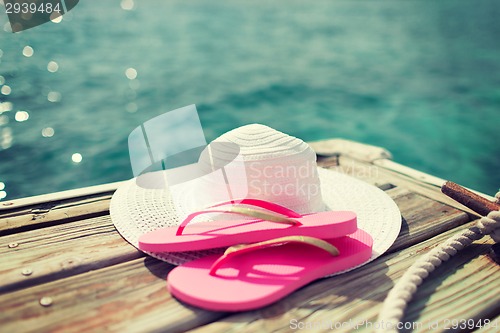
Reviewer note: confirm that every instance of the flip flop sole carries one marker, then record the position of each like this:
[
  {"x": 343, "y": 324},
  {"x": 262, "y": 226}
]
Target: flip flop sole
[
  {"x": 215, "y": 234},
  {"x": 256, "y": 279}
]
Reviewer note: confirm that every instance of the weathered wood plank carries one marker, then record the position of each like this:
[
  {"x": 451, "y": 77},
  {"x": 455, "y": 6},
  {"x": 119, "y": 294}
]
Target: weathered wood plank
[
  {"x": 379, "y": 176},
  {"x": 48, "y": 214},
  {"x": 59, "y": 251},
  {"x": 129, "y": 297},
  {"x": 422, "y": 218},
  {"x": 355, "y": 298},
  {"x": 71, "y": 195}
]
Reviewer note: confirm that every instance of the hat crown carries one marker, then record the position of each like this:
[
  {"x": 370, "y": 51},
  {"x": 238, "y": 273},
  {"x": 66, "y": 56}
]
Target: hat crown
[
  {"x": 279, "y": 168},
  {"x": 260, "y": 142}
]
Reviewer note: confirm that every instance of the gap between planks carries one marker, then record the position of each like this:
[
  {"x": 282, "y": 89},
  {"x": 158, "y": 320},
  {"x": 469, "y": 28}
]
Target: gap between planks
[
  {"x": 47, "y": 215},
  {"x": 59, "y": 251}
]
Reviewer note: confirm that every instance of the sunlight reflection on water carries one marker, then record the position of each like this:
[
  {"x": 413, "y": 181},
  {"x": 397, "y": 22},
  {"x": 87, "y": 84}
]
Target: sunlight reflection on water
[{"x": 28, "y": 51}]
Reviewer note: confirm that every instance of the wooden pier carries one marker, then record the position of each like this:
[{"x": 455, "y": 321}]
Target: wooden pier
[{"x": 64, "y": 267}]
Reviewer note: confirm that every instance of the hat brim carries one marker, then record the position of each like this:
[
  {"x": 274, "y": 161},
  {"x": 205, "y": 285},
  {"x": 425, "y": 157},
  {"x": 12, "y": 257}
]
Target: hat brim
[{"x": 135, "y": 211}]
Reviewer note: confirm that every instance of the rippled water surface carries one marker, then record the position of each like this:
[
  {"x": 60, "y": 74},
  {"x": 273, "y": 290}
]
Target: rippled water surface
[{"x": 420, "y": 78}]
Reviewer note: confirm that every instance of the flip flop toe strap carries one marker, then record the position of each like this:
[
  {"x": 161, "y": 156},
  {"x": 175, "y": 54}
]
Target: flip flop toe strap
[
  {"x": 236, "y": 250},
  {"x": 274, "y": 213}
]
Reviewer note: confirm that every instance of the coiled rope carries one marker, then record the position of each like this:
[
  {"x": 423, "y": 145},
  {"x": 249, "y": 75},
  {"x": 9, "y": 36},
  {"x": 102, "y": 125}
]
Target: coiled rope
[{"x": 398, "y": 298}]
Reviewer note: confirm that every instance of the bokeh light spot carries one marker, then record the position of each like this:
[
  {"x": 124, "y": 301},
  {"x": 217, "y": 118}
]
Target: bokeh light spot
[
  {"x": 48, "y": 132},
  {"x": 3, "y": 194},
  {"x": 54, "y": 96},
  {"x": 6, "y": 138},
  {"x": 52, "y": 66},
  {"x": 77, "y": 157},
  {"x": 21, "y": 116},
  {"x": 28, "y": 51},
  {"x": 127, "y": 4},
  {"x": 5, "y": 90},
  {"x": 131, "y": 73},
  {"x": 5, "y": 106},
  {"x": 2, "y": 186},
  {"x": 56, "y": 17}
]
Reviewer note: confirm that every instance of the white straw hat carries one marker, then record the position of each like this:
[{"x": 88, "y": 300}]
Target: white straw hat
[{"x": 277, "y": 168}]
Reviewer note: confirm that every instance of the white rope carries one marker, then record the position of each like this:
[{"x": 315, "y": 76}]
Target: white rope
[{"x": 397, "y": 300}]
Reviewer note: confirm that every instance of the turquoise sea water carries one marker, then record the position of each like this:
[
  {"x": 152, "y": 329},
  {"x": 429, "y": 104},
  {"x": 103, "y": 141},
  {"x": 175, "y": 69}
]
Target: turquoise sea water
[{"x": 420, "y": 78}]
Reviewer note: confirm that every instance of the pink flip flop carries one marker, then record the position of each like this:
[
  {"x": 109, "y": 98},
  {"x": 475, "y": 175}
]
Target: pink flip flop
[
  {"x": 256, "y": 275},
  {"x": 276, "y": 221}
]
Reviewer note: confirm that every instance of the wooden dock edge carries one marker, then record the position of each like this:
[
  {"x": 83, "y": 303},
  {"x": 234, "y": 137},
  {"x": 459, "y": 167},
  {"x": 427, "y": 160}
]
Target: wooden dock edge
[
  {"x": 86, "y": 267},
  {"x": 362, "y": 152}
]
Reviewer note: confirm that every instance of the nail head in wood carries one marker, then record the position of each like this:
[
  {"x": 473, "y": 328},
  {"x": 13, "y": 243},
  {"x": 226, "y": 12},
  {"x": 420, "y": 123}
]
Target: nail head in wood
[
  {"x": 13, "y": 245},
  {"x": 27, "y": 271},
  {"x": 46, "y": 301}
]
